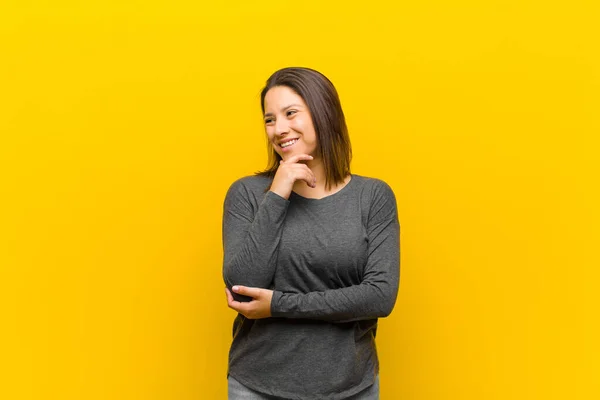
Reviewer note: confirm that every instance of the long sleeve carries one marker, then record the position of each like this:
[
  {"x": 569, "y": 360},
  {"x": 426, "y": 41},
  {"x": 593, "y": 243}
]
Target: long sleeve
[
  {"x": 251, "y": 237},
  {"x": 376, "y": 294}
]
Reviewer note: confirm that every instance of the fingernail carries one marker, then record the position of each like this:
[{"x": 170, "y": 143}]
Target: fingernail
[{"x": 235, "y": 288}]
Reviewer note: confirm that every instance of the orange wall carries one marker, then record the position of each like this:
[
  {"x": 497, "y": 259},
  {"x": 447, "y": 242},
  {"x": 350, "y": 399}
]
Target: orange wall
[{"x": 122, "y": 124}]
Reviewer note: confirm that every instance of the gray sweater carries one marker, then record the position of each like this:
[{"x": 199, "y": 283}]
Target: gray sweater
[{"x": 334, "y": 266}]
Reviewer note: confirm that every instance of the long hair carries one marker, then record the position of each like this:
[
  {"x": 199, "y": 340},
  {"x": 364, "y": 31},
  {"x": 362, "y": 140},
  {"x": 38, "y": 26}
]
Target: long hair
[{"x": 321, "y": 97}]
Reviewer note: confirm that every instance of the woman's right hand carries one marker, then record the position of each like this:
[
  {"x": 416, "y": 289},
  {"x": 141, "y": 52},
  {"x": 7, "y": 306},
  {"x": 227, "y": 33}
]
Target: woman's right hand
[{"x": 291, "y": 171}]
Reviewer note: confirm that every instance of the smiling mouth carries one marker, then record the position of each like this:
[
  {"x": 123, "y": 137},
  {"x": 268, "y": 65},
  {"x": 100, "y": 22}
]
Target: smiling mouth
[{"x": 288, "y": 144}]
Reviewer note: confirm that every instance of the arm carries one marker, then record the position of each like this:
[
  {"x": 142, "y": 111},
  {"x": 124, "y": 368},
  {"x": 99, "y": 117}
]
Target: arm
[
  {"x": 251, "y": 238},
  {"x": 376, "y": 295}
]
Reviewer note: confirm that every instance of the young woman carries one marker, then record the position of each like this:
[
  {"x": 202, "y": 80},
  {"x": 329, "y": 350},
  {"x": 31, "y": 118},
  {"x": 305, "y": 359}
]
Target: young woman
[{"x": 311, "y": 254}]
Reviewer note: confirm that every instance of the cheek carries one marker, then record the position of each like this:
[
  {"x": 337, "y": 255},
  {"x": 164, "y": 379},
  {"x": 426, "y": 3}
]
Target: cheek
[
  {"x": 301, "y": 125},
  {"x": 270, "y": 134},
  {"x": 308, "y": 132}
]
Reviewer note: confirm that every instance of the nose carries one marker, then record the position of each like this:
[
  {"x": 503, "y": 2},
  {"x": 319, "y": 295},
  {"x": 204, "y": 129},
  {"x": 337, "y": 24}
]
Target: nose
[{"x": 281, "y": 127}]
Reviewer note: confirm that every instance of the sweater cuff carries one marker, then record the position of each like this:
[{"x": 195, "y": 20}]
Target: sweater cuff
[
  {"x": 275, "y": 304},
  {"x": 274, "y": 198}
]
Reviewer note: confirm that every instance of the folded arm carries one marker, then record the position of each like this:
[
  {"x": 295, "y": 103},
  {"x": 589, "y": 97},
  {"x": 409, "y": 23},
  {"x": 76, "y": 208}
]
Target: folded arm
[
  {"x": 376, "y": 295},
  {"x": 251, "y": 238}
]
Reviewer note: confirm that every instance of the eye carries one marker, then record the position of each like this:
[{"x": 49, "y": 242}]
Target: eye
[
  {"x": 268, "y": 120},
  {"x": 290, "y": 112}
]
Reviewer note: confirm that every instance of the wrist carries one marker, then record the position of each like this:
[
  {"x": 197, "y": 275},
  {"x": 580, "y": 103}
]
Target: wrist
[
  {"x": 281, "y": 193},
  {"x": 275, "y": 312}
]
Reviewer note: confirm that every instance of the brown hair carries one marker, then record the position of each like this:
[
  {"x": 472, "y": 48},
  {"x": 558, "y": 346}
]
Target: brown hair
[{"x": 319, "y": 94}]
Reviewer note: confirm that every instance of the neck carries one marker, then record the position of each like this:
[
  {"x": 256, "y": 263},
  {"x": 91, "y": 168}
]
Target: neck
[{"x": 318, "y": 169}]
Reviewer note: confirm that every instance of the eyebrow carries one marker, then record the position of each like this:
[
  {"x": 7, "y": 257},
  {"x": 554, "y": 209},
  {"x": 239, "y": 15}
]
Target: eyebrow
[{"x": 284, "y": 108}]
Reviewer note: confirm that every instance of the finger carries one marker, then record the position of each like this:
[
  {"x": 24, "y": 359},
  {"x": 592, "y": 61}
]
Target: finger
[
  {"x": 236, "y": 305},
  {"x": 242, "y": 308},
  {"x": 299, "y": 157},
  {"x": 310, "y": 181},
  {"x": 310, "y": 172},
  {"x": 231, "y": 302},
  {"x": 229, "y": 296},
  {"x": 309, "y": 177},
  {"x": 303, "y": 172},
  {"x": 247, "y": 291}
]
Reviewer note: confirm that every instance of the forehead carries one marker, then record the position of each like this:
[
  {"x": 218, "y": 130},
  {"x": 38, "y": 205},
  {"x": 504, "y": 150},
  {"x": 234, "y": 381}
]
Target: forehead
[{"x": 281, "y": 96}]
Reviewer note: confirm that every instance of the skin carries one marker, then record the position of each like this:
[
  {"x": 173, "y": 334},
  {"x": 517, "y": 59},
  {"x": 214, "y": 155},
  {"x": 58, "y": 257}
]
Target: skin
[
  {"x": 301, "y": 170},
  {"x": 259, "y": 307},
  {"x": 287, "y": 117}
]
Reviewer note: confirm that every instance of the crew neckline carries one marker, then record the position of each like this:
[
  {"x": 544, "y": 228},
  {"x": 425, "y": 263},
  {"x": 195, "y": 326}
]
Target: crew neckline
[{"x": 327, "y": 198}]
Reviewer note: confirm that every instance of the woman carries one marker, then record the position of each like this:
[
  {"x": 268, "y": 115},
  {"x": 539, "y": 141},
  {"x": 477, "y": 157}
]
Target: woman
[{"x": 311, "y": 254}]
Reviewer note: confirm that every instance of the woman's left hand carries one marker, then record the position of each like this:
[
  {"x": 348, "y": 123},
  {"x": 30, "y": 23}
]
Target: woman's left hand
[{"x": 259, "y": 307}]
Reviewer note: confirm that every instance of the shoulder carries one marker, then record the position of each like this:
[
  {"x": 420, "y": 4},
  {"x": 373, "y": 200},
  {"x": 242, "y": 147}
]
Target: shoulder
[
  {"x": 375, "y": 188},
  {"x": 251, "y": 186},
  {"x": 378, "y": 197},
  {"x": 251, "y": 182}
]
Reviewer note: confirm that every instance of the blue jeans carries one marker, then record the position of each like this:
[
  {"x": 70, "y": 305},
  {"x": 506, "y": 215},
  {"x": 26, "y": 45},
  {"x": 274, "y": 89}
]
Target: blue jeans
[{"x": 237, "y": 391}]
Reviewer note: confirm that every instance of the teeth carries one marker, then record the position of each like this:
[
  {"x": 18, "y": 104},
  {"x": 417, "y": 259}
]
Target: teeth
[{"x": 291, "y": 142}]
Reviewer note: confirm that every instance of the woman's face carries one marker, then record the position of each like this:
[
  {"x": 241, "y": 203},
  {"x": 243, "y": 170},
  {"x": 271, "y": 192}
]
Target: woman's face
[{"x": 288, "y": 123}]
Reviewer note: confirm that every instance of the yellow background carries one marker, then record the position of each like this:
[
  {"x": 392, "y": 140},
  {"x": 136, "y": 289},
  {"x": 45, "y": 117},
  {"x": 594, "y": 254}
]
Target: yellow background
[{"x": 122, "y": 124}]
